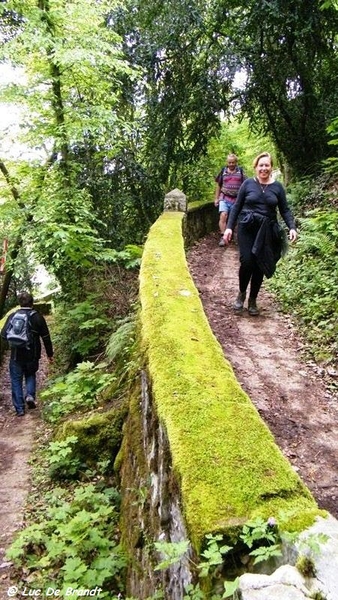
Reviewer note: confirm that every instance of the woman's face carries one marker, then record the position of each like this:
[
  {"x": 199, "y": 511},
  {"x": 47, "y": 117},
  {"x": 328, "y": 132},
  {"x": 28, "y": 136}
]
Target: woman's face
[{"x": 263, "y": 168}]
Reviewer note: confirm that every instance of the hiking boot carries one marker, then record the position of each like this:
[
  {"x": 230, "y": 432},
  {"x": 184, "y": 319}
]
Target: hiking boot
[
  {"x": 221, "y": 242},
  {"x": 30, "y": 402},
  {"x": 239, "y": 301},
  {"x": 252, "y": 307}
]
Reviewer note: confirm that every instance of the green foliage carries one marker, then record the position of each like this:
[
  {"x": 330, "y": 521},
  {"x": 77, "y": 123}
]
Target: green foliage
[
  {"x": 82, "y": 329},
  {"x": 308, "y": 548},
  {"x": 262, "y": 538},
  {"x": 77, "y": 391},
  {"x": 265, "y": 553},
  {"x": 74, "y": 123},
  {"x": 85, "y": 323},
  {"x": 61, "y": 459},
  {"x": 257, "y": 530},
  {"x": 121, "y": 347},
  {"x": 310, "y": 544},
  {"x": 74, "y": 545},
  {"x": 288, "y": 58},
  {"x": 213, "y": 555},
  {"x": 235, "y": 136},
  {"x": 305, "y": 566},
  {"x": 230, "y": 588},
  {"x": 172, "y": 553},
  {"x": 193, "y": 592},
  {"x": 305, "y": 284},
  {"x": 308, "y": 193}
]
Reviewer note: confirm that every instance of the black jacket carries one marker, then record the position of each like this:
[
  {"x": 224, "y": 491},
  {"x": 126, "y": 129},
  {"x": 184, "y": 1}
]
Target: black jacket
[
  {"x": 252, "y": 198},
  {"x": 40, "y": 331}
]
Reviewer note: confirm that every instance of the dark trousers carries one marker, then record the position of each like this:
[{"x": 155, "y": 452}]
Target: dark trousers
[
  {"x": 249, "y": 272},
  {"x": 18, "y": 372}
]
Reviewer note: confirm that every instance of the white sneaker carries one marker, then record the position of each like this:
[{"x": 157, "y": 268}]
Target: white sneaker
[{"x": 221, "y": 242}]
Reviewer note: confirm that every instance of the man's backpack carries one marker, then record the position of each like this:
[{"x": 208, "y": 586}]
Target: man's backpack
[
  {"x": 224, "y": 170},
  {"x": 19, "y": 331}
]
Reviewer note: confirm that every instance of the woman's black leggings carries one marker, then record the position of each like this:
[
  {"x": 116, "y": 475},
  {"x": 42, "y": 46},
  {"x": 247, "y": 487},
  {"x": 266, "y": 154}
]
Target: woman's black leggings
[{"x": 249, "y": 272}]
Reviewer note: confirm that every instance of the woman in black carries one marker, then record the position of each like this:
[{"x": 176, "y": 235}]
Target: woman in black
[{"x": 259, "y": 235}]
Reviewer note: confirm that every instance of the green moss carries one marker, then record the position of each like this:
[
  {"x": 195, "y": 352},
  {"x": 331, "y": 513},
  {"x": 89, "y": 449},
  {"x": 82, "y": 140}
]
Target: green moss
[
  {"x": 224, "y": 456},
  {"x": 306, "y": 566},
  {"x": 99, "y": 436},
  {"x": 135, "y": 482},
  {"x": 197, "y": 204}
]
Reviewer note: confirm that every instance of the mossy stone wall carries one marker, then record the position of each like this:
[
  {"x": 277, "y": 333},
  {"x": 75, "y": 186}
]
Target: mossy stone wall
[
  {"x": 223, "y": 454},
  {"x": 223, "y": 458}
]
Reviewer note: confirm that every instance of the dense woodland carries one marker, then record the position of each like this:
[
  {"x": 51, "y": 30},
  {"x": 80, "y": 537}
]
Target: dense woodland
[{"x": 121, "y": 102}]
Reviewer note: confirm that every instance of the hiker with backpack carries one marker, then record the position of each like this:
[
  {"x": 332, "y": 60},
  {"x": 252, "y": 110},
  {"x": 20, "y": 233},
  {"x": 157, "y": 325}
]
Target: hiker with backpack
[
  {"x": 228, "y": 182},
  {"x": 23, "y": 332}
]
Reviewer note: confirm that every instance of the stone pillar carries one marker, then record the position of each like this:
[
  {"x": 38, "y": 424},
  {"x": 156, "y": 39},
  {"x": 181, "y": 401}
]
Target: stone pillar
[{"x": 175, "y": 200}]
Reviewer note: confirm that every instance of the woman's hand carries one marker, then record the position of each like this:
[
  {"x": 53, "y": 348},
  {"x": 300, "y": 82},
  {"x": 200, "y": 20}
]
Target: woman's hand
[
  {"x": 292, "y": 235},
  {"x": 227, "y": 236}
]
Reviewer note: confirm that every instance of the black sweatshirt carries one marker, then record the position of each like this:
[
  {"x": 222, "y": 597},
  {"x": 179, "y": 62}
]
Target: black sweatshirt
[{"x": 263, "y": 200}]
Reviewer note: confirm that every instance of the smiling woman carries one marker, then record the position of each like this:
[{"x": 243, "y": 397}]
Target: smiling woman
[{"x": 259, "y": 234}]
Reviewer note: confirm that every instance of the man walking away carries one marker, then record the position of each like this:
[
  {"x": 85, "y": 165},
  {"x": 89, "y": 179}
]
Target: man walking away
[{"x": 23, "y": 332}]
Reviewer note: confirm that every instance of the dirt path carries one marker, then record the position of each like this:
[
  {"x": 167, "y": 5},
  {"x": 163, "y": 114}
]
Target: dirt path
[
  {"x": 291, "y": 395},
  {"x": 17, "y": 436}
]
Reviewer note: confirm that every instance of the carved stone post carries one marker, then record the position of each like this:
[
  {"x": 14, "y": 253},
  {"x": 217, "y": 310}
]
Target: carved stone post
[{"x": 175, "y": 200}]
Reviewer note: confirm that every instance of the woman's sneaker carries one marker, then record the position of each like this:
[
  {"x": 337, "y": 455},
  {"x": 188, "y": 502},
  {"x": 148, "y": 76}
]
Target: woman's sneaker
[
  {"x": 239, "y": 302},
  {"x": 30, "y": 401},
  {"x": 252, "y": 308}
]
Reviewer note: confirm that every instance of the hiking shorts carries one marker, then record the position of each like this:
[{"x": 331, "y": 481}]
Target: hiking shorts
[{"x": 225, "y": 206}]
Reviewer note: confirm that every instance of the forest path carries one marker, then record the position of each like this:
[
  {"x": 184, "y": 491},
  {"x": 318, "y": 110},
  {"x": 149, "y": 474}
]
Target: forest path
[
  {"x": 292, "y": 395},
  {"x": 17, "y": 441}
]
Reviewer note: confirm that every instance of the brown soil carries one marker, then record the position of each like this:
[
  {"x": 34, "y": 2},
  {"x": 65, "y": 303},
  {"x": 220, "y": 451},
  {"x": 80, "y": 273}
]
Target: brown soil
[
  {"x": 17, "y": 439},
  {"x": 294, "y": 396}
]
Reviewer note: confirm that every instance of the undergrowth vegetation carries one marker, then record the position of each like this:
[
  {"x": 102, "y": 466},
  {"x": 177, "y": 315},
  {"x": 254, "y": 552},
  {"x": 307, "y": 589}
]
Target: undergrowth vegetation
[
  {"x": 307, "y": 282},
  {"x": 75, "y": 546},
  {"x": 71, "y": 538}
]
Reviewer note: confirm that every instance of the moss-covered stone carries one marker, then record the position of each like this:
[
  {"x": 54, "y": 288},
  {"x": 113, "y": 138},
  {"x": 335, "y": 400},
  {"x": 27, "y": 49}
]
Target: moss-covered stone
[
  {"x": 99, "y": 435},
  {"x": 224, "y": 456}
]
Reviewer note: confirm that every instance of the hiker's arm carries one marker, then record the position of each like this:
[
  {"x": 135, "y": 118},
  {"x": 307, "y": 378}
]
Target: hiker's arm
[
  {"x": 43, "y": 332},
  {"x": 217, "y": 193}
]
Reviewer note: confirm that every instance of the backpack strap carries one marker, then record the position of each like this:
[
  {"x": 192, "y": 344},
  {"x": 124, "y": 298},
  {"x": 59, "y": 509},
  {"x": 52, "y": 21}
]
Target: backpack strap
[{"x": 222, "y": 175}]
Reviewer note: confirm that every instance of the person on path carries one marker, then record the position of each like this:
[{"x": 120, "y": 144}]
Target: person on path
[
  {"x": 260, "y": 237},
  {"x": 228, "y": 182},
  {"x": 24, "y": 361}
]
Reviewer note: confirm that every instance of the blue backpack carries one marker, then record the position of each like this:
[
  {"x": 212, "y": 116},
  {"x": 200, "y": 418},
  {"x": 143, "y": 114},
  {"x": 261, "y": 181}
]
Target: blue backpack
[{"x": 19, "y": 331}]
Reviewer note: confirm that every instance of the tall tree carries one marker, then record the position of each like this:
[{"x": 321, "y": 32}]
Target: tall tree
[
  {"x": 181, "y": 93},
  {"x": 287, "y": 49},
  {"x": 191, "y": 51},
  {"x": 71, "y": 96}
]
